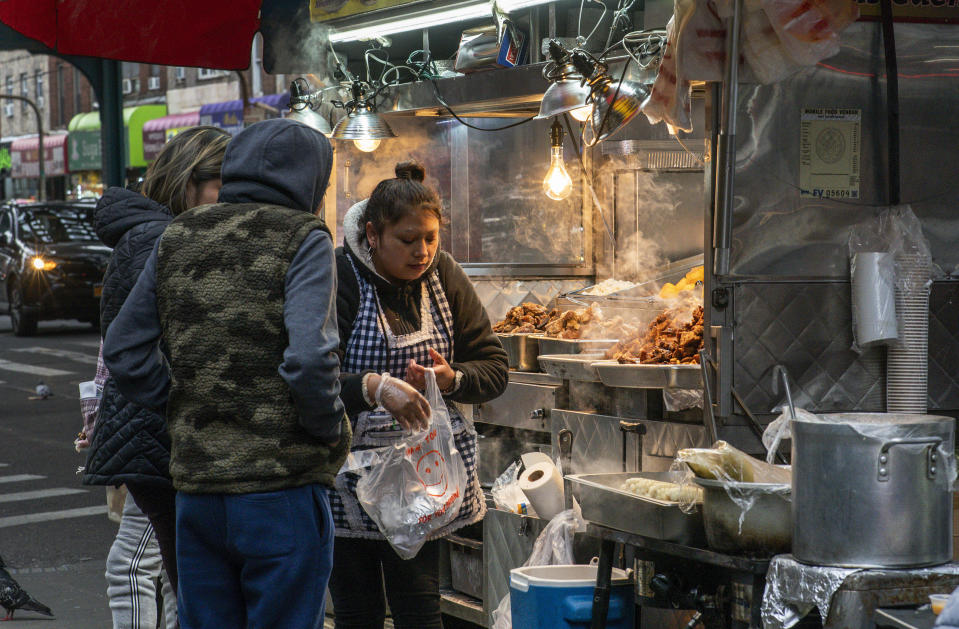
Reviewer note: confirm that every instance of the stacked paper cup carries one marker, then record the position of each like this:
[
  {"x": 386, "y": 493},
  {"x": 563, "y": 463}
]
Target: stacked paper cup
[{"x": 907, "y": 365}]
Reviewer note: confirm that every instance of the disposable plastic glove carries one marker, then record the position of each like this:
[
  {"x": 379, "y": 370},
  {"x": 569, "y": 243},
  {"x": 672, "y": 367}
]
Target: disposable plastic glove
[{"x": 404, "y": 403}]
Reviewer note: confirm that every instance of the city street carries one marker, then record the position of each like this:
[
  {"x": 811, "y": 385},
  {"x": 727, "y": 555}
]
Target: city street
[{"x": 54, "y": 532}]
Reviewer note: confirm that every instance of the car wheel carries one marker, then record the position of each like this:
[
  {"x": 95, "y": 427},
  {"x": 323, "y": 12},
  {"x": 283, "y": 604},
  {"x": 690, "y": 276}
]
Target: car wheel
[{"x": 24, "y": 323}]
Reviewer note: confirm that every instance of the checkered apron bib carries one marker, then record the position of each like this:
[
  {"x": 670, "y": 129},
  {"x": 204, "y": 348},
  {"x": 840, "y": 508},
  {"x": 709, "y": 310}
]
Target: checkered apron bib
[{"x": 373, "y": 346}]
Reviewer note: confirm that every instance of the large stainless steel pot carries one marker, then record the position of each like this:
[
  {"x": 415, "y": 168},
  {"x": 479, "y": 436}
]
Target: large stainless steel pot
[{"x": 872, "y": 490}]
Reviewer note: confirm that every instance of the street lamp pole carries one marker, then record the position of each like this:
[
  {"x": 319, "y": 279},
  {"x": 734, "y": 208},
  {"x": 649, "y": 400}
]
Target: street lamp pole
[{"x": 36, "y": 111}]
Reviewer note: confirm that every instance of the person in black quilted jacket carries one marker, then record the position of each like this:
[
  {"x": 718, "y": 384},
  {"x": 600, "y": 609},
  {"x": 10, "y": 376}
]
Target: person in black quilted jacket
[{"x": 129, "y": 444}]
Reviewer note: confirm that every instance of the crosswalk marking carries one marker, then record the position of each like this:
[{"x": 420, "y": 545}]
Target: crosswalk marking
[
  {"x": 39, "y": 371},
  {"x": 94, "y": 344},
  {"x": 48, "y": 516},
  {"x": 79, "y": 357},
  {"x": 40, "y": 493},
  {"x": 16, "y": 478}
]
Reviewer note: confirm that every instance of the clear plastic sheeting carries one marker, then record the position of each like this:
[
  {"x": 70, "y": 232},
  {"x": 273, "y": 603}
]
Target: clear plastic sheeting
[
  {"x": 779, "y": 430},
  {"x": 675, "y": 400},
  {"x": 553, "y": 547},
  {"x": 911, "y": 432},
  {"x": 891, "y": 273},
  {"x": 507, "y": 494},
  {"x": 793, "y": 589},
  {"x": 744, "y": 478}
]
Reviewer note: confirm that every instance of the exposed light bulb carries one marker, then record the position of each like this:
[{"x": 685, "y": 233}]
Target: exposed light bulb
[
  {"x": 582, "y": 113},
  {"x": 367, "y": 146},
  {"x": 557, "y": 184}
]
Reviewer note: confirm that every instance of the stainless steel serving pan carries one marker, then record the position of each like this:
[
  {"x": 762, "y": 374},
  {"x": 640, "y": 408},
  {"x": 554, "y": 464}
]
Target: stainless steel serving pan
[
  {"x": 578, "y": 367},
  {"x": 604, "y": 502},
  {"x": 550, "y": 345},
  {"x": 521, "y": 351},
  {"x": 614, "y": 374},
  {"x": 766, "y": 528}
]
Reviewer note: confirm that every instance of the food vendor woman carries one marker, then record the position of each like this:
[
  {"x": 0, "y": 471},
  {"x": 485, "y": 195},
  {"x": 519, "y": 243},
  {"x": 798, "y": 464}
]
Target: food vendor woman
[{"x": 403, "y": 305}]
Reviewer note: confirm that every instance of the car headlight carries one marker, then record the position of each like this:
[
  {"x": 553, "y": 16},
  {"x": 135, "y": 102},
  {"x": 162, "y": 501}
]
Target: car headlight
[{"x": 40, "y": 264}]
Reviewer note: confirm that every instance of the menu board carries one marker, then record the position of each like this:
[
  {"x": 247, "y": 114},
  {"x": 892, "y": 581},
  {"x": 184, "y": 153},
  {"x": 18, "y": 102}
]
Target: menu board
[{"x": 323, "y": 10}]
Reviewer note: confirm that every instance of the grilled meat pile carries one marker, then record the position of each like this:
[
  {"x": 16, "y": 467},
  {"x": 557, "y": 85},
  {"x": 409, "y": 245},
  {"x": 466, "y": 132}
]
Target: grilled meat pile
[
  {"x": 526, "y": 318},
  {"x": 665, "y": 341}
]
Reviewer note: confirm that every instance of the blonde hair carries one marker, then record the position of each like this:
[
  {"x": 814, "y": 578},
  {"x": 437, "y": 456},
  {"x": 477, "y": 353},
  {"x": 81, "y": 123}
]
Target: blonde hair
[{"x": 194, "y": 155}]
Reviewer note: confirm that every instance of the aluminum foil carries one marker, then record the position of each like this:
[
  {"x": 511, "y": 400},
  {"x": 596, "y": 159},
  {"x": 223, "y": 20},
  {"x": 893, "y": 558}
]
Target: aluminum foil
[{"x": 793, "y": 589}]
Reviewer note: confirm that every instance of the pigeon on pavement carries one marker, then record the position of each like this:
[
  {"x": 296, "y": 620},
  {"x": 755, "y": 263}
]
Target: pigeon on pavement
[
  {"x": 43, "y": 391},
  {"x": 14, "y": 597}
]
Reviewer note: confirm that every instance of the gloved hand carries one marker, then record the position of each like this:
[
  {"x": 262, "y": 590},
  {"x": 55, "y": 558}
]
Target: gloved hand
[{"x": 404, "y": 403}]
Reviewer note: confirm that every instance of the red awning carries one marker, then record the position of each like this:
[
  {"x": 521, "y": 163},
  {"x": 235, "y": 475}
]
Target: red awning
[
  {"x": 208, "y": 34},
  {"x": 25, "y": 156},
  {"x": 31, "y": 143}
]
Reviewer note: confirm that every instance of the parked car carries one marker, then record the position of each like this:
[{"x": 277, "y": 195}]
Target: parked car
[{"x": 51, "y": 263}]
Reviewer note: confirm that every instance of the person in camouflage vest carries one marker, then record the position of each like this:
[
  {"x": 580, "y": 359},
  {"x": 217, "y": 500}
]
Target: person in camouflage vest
[{"x": 239, "y": 295}]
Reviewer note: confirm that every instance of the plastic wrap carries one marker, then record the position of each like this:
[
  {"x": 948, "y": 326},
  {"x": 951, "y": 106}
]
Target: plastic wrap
[
  {"x": 553, "y": 547},
  {"x": 744, "y": 478},
  {"x": 415, "y": 486},
  {"x": 793, "y": 589},
  {"x": 890, "y": 427},
  {"x": 779, "y": 430},
  {"x": 506, "y": 492},
  {"x": 682, "y": 399},
  {"x": 895, "y": 231}
]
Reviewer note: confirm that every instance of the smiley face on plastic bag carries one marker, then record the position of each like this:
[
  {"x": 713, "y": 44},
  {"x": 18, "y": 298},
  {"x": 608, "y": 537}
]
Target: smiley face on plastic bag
[{"x": 431, "y": 468}]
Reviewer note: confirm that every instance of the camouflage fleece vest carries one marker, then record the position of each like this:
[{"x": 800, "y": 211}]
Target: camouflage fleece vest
[{"x": 221, "y": 273}]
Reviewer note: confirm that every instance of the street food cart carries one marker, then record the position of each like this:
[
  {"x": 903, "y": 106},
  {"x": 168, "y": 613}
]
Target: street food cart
[{"x": 763, "y": 193}]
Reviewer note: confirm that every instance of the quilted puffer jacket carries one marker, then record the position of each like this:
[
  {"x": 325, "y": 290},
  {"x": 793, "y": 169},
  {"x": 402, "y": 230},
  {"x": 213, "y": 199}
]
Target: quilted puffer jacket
[{"x": 130, "y": 443}]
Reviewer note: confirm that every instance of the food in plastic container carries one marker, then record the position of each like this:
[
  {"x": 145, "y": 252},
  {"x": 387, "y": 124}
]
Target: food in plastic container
[{"x": 938, "y": 602}]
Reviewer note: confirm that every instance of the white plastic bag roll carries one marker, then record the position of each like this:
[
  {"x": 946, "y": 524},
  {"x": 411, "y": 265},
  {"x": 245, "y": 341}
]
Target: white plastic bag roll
[
  {"x": 874, "y": 300},
  {"x": 543, "y": 485}
]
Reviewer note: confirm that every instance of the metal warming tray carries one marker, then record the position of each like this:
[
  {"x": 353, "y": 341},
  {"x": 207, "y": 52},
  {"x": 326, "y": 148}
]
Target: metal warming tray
[
  {"x": 577, "y": 367},
  {"x": 604, "y": 503},
  {"x": 521, "y": 351},
  {"x": 614, "y": 374},
  {"x": 550, "y": 345}
]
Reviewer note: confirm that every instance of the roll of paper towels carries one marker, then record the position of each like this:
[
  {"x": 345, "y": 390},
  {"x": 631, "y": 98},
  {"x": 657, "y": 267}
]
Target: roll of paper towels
[{"x": 543, "y": 485}]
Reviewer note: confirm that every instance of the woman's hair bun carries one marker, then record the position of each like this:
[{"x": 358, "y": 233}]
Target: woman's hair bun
[{"x": 410, "y": 170}]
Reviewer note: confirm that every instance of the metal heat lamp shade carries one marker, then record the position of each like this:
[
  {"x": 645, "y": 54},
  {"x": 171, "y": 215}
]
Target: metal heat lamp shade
[
  {"x": 362, "y": 124},
  {"x": 312, "y": 119},
  {"x": 562, "y": 96},
  {"x": 615, "y": 104}
]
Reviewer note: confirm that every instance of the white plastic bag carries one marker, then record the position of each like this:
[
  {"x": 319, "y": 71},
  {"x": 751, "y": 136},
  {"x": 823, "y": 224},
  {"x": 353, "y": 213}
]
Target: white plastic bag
[{"x": 415, "y": 486}]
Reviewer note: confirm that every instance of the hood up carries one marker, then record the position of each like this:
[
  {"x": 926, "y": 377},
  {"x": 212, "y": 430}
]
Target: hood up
[
  {"x": 355, "y": 242},
  {"x": 119, "y": 210},
  {"x": 280, "y": 162}
]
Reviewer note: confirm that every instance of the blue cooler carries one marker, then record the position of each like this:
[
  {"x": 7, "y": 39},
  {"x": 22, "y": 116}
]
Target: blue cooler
[{"x": 555, "y": 597}]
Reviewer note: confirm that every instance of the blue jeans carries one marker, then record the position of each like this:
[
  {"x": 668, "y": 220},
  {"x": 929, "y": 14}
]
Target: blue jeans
[{"x": 257, "y": 561}]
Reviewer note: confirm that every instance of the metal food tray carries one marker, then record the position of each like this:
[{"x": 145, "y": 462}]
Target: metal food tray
[
  {"x": 614, "y": 374},
  {"x": 551, "y": 345},
  {"x": 521, "y": 350},
  {"x": 604, "y": 503},
  {"x": 577, "y": 367}
]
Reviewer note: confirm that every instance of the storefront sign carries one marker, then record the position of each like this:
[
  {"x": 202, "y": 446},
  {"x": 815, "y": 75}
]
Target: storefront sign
[
  {"x": 153, "y": 142},
  {"x": 85, "y": 151},
  {"x": 4, "y": 158},
  {"x": 25, "y": 157},
  {"x": 913, "y": 10},
  {"x": 322, "y": 10},
  {"x": 829, "y": 147}
]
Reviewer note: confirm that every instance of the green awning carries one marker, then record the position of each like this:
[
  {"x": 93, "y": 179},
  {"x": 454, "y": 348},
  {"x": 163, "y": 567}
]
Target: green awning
[{"x": 84, "y": 130}]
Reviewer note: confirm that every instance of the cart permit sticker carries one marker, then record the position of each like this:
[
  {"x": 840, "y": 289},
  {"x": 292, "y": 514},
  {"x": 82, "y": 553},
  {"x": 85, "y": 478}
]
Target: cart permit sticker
[{"x": 829, "y": 148}]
